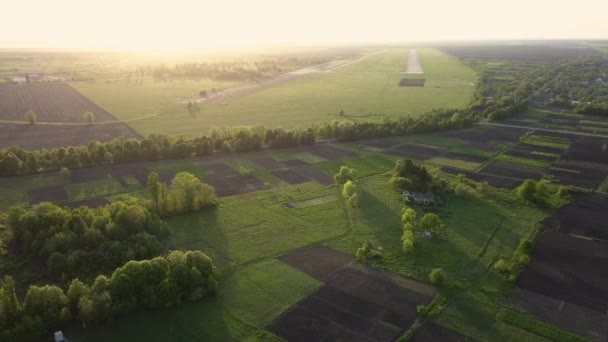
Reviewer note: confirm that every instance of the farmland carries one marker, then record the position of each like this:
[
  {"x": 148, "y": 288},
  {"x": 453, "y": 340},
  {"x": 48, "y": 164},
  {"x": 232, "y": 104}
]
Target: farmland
[
  {"x": 365, "y": 90},
  {"x": 59, "y": 110},
  {"x": 284, "y": 205},
  {"x": 296, "y": 257}
]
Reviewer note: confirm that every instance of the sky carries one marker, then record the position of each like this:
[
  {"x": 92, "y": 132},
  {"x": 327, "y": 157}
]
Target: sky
[{"x": 201, "y": 24}]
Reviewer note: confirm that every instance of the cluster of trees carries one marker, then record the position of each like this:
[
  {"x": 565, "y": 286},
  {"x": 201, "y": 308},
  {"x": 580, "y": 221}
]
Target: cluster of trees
[
  {"x": 86, "y": 240},
  {"x": 162, "y": 282},
  {"x": 233, "y": 70},
  {"x": 410, "y": 176},
  {"x": 533, "y": 191},
  {"x": 592, "y": 108},
  {"x": 521, "y": 257},
  {"x": 185, "y": 193},
  {"x": 14, "y": 160},
  {"x": 437, "y": 276},
  {"x": 429, "y": 222},
  {"x": 368, "y": 252},
  {"x": 436, "y": 120},
  {"x": 505, "y": 108}
]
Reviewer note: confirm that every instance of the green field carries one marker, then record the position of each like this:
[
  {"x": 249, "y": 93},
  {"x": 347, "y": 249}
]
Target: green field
[
  {"x": 365, "y": 90},
  {"x": 245, "y": 234}
]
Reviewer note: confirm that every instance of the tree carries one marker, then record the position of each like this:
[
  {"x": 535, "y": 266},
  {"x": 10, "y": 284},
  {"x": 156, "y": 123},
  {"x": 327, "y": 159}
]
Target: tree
[
  {"x": 154, "y": 189},
  {"x": 76, "y": 291},
  {"x": 65, "y": 172},
  {"x": 86, "y": 310},
  {"x": 31, "y": 117},
  {"x": 430, "y": 222},
  {"x": 345, "y": 174},
  {"x": 408, "y": 218},
  {"x": 89, "y": 116},
  {"x": 437, "y": 276},
  {"x": 541, "y": 192},
  {"x": 527, "y": 190},
  {"x": 10, "y": 308},
  {"x": 10, "y": 165}
]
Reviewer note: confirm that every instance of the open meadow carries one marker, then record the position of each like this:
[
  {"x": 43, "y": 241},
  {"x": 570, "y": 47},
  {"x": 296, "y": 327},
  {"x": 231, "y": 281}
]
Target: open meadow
[{"x": 365, "y": 90}]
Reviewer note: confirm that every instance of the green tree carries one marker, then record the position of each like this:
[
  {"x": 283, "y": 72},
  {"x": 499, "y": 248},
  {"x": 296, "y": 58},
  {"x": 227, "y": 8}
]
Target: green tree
[
  {"x": 31, "y": 117},
  {"x": 10, "y": 164},
  {"x": 345, "y": 174},
  {"x": 430, "y": 222},
  {"x": 437, "y": 276},
  {"x": 10, "y": 308},
  {"x": 527, "y": 190},
  {"x": 154, "y": 189},
  {"x": 65, "y": 172},
  {"x": 76, "y": 291}
]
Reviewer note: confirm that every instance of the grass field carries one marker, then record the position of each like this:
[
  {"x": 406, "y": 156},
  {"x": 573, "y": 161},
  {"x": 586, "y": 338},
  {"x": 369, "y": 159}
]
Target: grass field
[
  {"x": 245, "y": 234},
  {"x": 365, "y": 90}
]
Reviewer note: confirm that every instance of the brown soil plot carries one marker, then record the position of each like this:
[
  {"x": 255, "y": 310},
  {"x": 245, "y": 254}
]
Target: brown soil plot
[
  {"x": 47, "y": 136},
  {"x": 268, "y": 163},
  {"x": 315, "y": 174},
  {"x": 568, "y": 268},
  {"x": 291, "y": 177},
  {"x": 50, "y": 194},
  {"x": 330, "y": 153},
  {"x": 592, "y": 208},
  {"x": 430, "y": 331}
]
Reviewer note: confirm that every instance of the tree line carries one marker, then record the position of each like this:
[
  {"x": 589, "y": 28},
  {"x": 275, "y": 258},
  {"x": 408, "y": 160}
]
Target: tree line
[
  {"x": 157, "y": 283},
  {"x": 15, "y": 160}
]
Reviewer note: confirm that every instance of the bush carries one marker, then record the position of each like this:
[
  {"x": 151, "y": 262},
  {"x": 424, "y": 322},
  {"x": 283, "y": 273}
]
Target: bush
[{"x": 437, "y": 276}]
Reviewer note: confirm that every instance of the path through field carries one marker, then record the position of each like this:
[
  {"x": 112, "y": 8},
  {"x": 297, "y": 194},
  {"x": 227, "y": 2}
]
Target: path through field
[{"x": 413, "y": 63}]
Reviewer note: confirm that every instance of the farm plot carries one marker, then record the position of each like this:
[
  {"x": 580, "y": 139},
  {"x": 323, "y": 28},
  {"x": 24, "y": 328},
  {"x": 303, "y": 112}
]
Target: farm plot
[
  {"x": 356, "y": 303},
  {"x": 505, "y": 169},
  {"x": 47, "y": 136},
  {"x": 491, "y": 180},
  {"x": 534, "y": 153},
  {"x": 381, "y": 143},
  {"x": 236, "y": 185},
  {"x": 293, "y": 162},
  {"x": 291, "y": 177},
  {"x": 218, "y": 170},
  {"x": 575, "y": 318},
  {"x": 568, "y": 219},
  {"x": 568, "y": 268},
  {"x": 315, "y": 174},
  {"x": 52, "y": 102},
  {"x": 430, "y": 331},
  {"x": 330, "y": 152},
  {"x": 268, "y": 163},
  {"x": 48, "y": 194},
  {"x": 418, "y": 152},
  {"x": 589, "y": 150},
  {"x": 577, "y": 175}
]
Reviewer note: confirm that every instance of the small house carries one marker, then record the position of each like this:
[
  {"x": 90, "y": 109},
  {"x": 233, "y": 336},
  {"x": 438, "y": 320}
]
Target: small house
[{"x": 425, "y": 198}]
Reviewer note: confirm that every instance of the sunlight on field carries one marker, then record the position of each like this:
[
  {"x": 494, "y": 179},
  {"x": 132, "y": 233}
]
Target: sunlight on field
[{"x": 365, "y": 90}]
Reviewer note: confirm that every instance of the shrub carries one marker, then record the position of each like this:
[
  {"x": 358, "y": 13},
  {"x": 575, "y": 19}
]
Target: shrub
[{"x": 437, "y": 276}]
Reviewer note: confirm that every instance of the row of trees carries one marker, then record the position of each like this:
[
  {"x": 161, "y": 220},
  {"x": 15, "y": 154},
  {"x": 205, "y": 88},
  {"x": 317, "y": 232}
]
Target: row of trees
[
  {"x": 162, "y": 282},
  {"x": 429, "y": 222},
  {"x": 14, "y": 160},
  {"x": 32, "y": 117}
]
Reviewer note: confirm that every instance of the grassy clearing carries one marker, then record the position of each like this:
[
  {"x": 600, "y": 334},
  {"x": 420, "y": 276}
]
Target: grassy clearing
[
  {"x": 205, "y": 320},
  {"x": 524, "y": 161},
  {"x": 130, "y": 100},
  {"x": 530, "y": 324},
  {"x": 462, "y": 164},
  {"x": 313, "y": 201},
  {"x": 366, "y": 90},
  {"x": 255, "y": 225},
  {"x": 261, "y": 292},
  {"x": 94, "y": 188}
]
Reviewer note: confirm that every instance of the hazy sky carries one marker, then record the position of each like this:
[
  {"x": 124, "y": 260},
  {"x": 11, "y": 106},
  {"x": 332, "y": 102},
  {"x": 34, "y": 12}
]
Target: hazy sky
[{"x": 195, "y": 24}]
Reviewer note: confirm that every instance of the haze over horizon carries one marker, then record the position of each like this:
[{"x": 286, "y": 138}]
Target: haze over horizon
[{"x": 193, "y": 25}]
